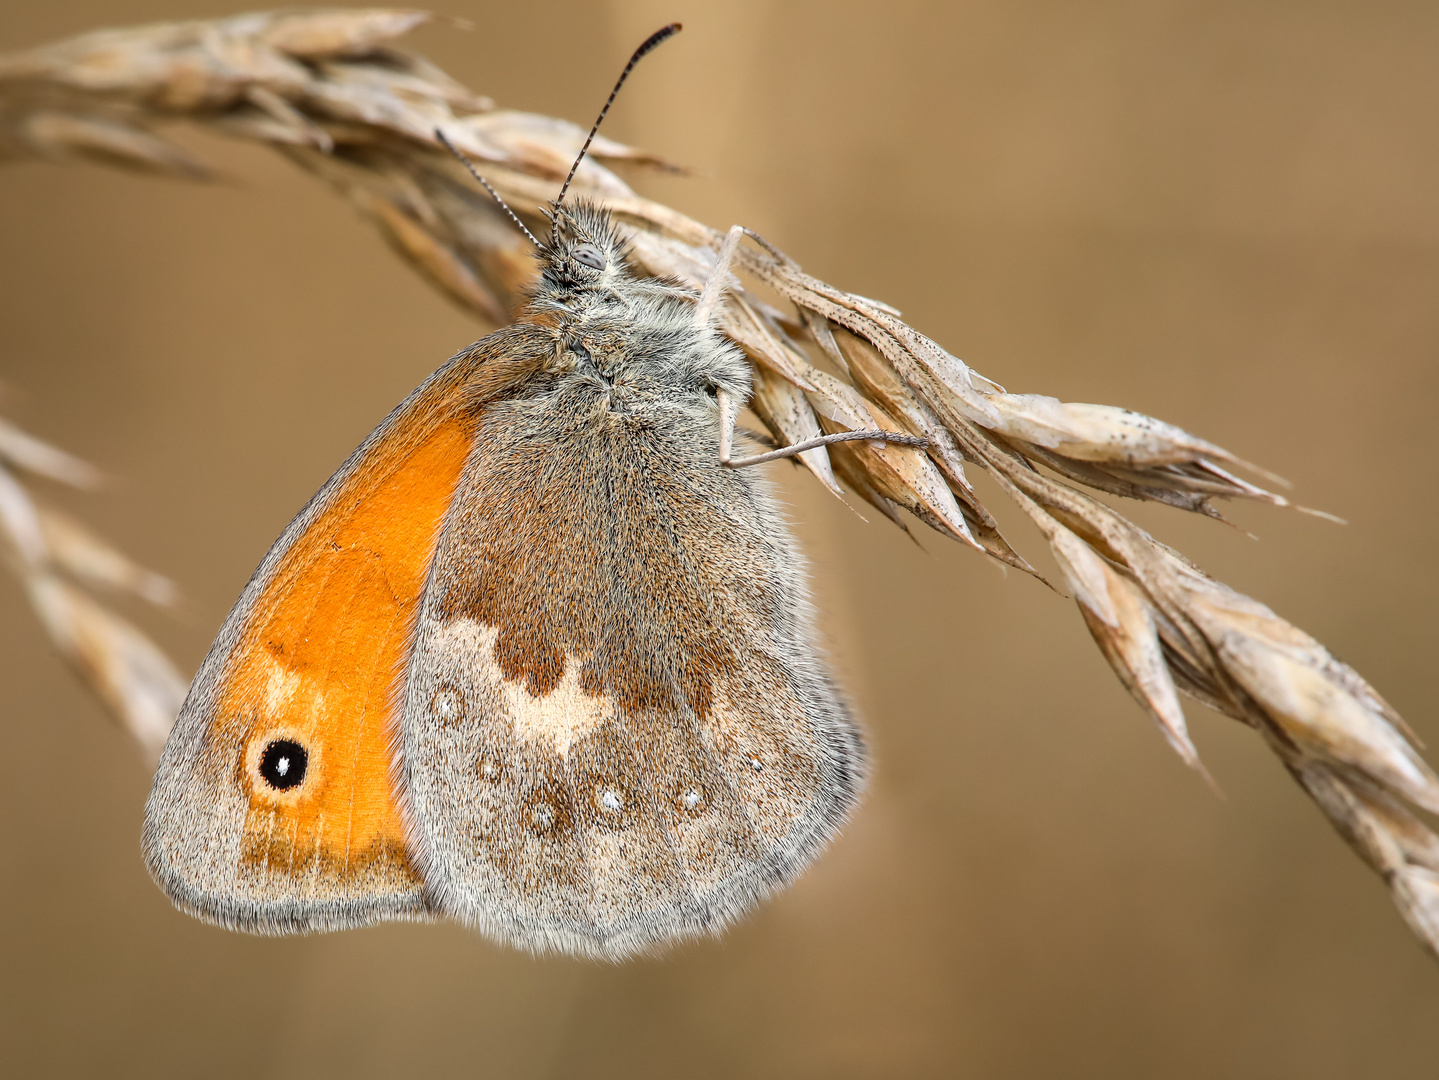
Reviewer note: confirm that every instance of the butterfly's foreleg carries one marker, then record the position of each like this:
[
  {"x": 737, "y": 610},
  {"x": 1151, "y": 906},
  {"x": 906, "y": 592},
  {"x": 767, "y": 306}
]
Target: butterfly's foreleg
[{"x": 715, "y": 287}]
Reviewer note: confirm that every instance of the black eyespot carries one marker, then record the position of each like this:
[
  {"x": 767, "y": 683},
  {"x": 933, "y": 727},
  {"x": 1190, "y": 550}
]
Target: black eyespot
[
  {"x": 283, "y": 764},
  {"x": 589, "y": 255}
]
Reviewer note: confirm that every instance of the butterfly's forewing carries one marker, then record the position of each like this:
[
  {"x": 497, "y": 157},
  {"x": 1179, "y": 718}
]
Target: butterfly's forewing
[
  {"x": 274, "y": 808},
  {"x": 616, "y": 733}
]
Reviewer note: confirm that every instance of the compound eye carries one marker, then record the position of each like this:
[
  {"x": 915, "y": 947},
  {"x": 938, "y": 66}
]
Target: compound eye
[{"x": 589, "y": 255}]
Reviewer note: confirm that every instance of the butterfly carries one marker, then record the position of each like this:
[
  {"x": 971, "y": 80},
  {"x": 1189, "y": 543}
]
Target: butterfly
[{"x": 538, "y": 657}]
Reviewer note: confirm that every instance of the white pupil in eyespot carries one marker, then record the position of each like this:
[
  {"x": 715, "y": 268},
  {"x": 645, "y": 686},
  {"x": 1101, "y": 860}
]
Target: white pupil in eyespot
[{"x": 283, "y": 764}]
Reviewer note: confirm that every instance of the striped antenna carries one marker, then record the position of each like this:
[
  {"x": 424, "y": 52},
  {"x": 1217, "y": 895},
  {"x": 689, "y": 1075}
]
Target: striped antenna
[
  {"x": 465, "y": 161},
  {"x": 658, "y": 37}
]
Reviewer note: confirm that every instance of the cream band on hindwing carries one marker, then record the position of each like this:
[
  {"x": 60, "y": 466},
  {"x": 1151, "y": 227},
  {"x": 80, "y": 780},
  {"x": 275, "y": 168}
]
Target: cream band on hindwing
[{"x": 555, "y": 718}]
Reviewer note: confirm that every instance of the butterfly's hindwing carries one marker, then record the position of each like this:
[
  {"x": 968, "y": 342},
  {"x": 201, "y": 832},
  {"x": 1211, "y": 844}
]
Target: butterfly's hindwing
[{"x": 637, "y": 763}]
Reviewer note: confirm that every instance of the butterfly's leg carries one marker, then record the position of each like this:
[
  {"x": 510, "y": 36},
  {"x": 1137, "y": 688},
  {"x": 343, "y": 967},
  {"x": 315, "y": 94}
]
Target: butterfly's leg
[
  {"x": 729, "y": 413},
  {"x": 729, "y": 405},
  {"x": 715, "y": 286}
]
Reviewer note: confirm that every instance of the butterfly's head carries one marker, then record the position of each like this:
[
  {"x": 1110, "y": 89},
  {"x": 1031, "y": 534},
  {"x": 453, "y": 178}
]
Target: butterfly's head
[
  {"x": 585, "y": 252},
  {"x": 585, "y": 278},
  {"x": 620, "y": 334}
]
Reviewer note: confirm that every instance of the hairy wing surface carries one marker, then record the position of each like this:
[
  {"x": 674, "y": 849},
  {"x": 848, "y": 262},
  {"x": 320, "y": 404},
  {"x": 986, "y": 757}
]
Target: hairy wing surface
[{"x": 616, "y": 730}]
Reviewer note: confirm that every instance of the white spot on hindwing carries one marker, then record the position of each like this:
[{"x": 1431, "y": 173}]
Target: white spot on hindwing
[
  {"x": 611, "y": 800},
  {"x": 447, "y": 704}
]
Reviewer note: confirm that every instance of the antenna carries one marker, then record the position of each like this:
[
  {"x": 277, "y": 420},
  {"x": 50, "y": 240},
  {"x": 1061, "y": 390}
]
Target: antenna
[
  {"x": 658, "y": 37},
  {"x": 486, "y": 185}
]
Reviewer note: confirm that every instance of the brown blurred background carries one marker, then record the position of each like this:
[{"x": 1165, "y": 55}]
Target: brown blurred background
[{"x": 1223, "y": 214}]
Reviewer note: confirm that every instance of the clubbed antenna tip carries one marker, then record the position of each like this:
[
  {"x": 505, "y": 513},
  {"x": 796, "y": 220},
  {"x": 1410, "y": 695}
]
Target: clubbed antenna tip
[{"x": 660, "y": 36}]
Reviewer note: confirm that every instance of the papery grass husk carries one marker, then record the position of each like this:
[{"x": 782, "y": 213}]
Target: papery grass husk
[
  {"x": 54, "y": 555},
  {"x": 330, "y": 91}
]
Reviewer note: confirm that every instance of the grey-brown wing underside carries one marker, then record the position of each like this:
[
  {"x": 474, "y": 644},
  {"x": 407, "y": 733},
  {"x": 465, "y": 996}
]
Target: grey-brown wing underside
[{"x": 617, "y": 731}]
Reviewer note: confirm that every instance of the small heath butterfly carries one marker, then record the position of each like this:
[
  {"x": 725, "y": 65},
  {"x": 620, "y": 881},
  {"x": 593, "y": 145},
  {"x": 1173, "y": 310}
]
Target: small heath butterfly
[{"x": 538, "y": 657}]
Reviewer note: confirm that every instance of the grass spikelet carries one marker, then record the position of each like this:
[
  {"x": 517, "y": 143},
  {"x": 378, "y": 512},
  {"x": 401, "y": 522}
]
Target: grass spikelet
[
  {"x": 333, "y": 93},
  {"x": 131, "y": 674}
]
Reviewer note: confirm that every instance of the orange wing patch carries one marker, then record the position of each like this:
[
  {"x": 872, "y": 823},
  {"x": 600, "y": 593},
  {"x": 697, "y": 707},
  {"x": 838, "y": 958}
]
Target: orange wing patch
[
  {"x": 274, "y": 808},
  {"x": 319, "y": 666}
]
